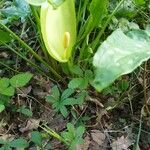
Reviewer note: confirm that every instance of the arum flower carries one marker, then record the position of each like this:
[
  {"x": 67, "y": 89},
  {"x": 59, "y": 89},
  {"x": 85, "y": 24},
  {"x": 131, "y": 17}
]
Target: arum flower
[{"x": 58, "y": 28}]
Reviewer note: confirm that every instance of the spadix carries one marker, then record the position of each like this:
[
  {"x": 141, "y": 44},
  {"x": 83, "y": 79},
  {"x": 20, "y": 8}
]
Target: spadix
[{"x": 58, "y": 28}]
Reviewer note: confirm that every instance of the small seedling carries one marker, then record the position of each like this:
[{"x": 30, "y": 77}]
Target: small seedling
[
  {"x": 25, "y": 111},
  {"x": 59, "y": 102},
  {"x": 79, "y": 120},
  {"x": 83, "y": 80},
  {"x": 17, "y": 143},
  {"x": 73, "y": 136},
  {"x": 38, "y": 139}
]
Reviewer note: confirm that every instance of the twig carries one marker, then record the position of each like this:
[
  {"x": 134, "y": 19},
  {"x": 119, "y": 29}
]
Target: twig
[{"x": 145, "y": 84}]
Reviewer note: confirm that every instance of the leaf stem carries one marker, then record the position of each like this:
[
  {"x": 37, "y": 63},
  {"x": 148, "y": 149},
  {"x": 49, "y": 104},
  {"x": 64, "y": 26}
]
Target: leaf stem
[
  {"x": 20, "y": 55},
  {"x": 30, "y": 62},
  {"x": 96, "y": 41},
  {"x": 53, "y": 133},
  {"x": 37, "y": 19},
  {"x": 145, "y": 84},
  {"x": 9, "y": 67},
  {"x": 30, "y": 49},
  {"x": 139, "y": 133}
]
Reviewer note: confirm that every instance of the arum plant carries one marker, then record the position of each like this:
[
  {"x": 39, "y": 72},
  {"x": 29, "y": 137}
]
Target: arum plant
[
  {"x": 58, "y": 27},
  {"x": 11, "y": 35}
]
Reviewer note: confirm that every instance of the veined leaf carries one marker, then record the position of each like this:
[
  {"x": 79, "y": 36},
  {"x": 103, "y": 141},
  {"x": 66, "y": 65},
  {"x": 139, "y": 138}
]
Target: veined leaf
[
  {"x": 21, "y": 79},
  {"x": 18, "y": 9},
  {"x": 64, "y": 111},
  {"x": 147, "y": 30},
  {"x": 98, "y": 10},
  {"x": 5, "y": 87},
  {"x": 4, "y": 37},
  {"x": 67, "y": 93},
  {"x": 55, "y": 93},
  {"x": 25, "y": 111},
  {"x": 70, "y": 101},
  {"x": 2, "y": 107},
  {"x": 4, "y": 99},
  {"x": 119, "y": 55},
  {"x": 75, "y": 83},
  {"x": 4, "y": 83},
  {"x": 9, "y": 91},
  {"x": 19, "y": 143},
  {"x": 76, "y": 70}
]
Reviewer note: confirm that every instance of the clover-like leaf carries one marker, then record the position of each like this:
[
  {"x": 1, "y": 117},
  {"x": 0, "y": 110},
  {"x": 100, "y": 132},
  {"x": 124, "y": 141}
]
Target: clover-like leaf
[{"x": 21, "y": 79}]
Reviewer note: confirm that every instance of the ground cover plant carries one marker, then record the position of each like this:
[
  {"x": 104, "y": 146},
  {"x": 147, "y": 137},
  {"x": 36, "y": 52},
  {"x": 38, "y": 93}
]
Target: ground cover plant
[{"x": 74, "y": 74}]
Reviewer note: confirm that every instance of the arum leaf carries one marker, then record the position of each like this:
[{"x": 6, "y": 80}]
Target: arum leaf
[
  {"x": 98, "y": 10},
  {"x": 147, "y": 30},
  {"x": 119, "y": 55},
  {"x": 58, "y": 28},
  {"x": 18, "y": 9}
]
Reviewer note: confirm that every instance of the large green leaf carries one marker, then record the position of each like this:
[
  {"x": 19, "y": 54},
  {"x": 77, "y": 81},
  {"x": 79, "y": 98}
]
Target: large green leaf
[
  {"x": 4, "y": 37},
  {"x": 5, "y": 88},
  {"x": 98, "y": 10},
  {"x": 17, "y": 9},
  {"x": 4, "y": 83},
  {"x": 119, "y": 55},
  {"x": 9, "y": 91},
  {"x": 21, "y": 79}
]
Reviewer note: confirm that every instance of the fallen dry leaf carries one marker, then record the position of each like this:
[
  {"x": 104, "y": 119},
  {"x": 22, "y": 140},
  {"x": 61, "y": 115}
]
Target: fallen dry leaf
[
  {"x": 2, "y": 127},
  {"x": 86, "y": 144},
  {"x": 44, "y": 83},
  {"x": 31, "y": 124},
  {"x": 96, "y": 101},
  {"x": 7, "y": 137},
  {"x": 23, "y": 92},
  {"x": 4, "y": 55},
  {"x": 121, "y": 143},
  {"x": 39, "y": 93},
  {"x": 98, "y": 136}
]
